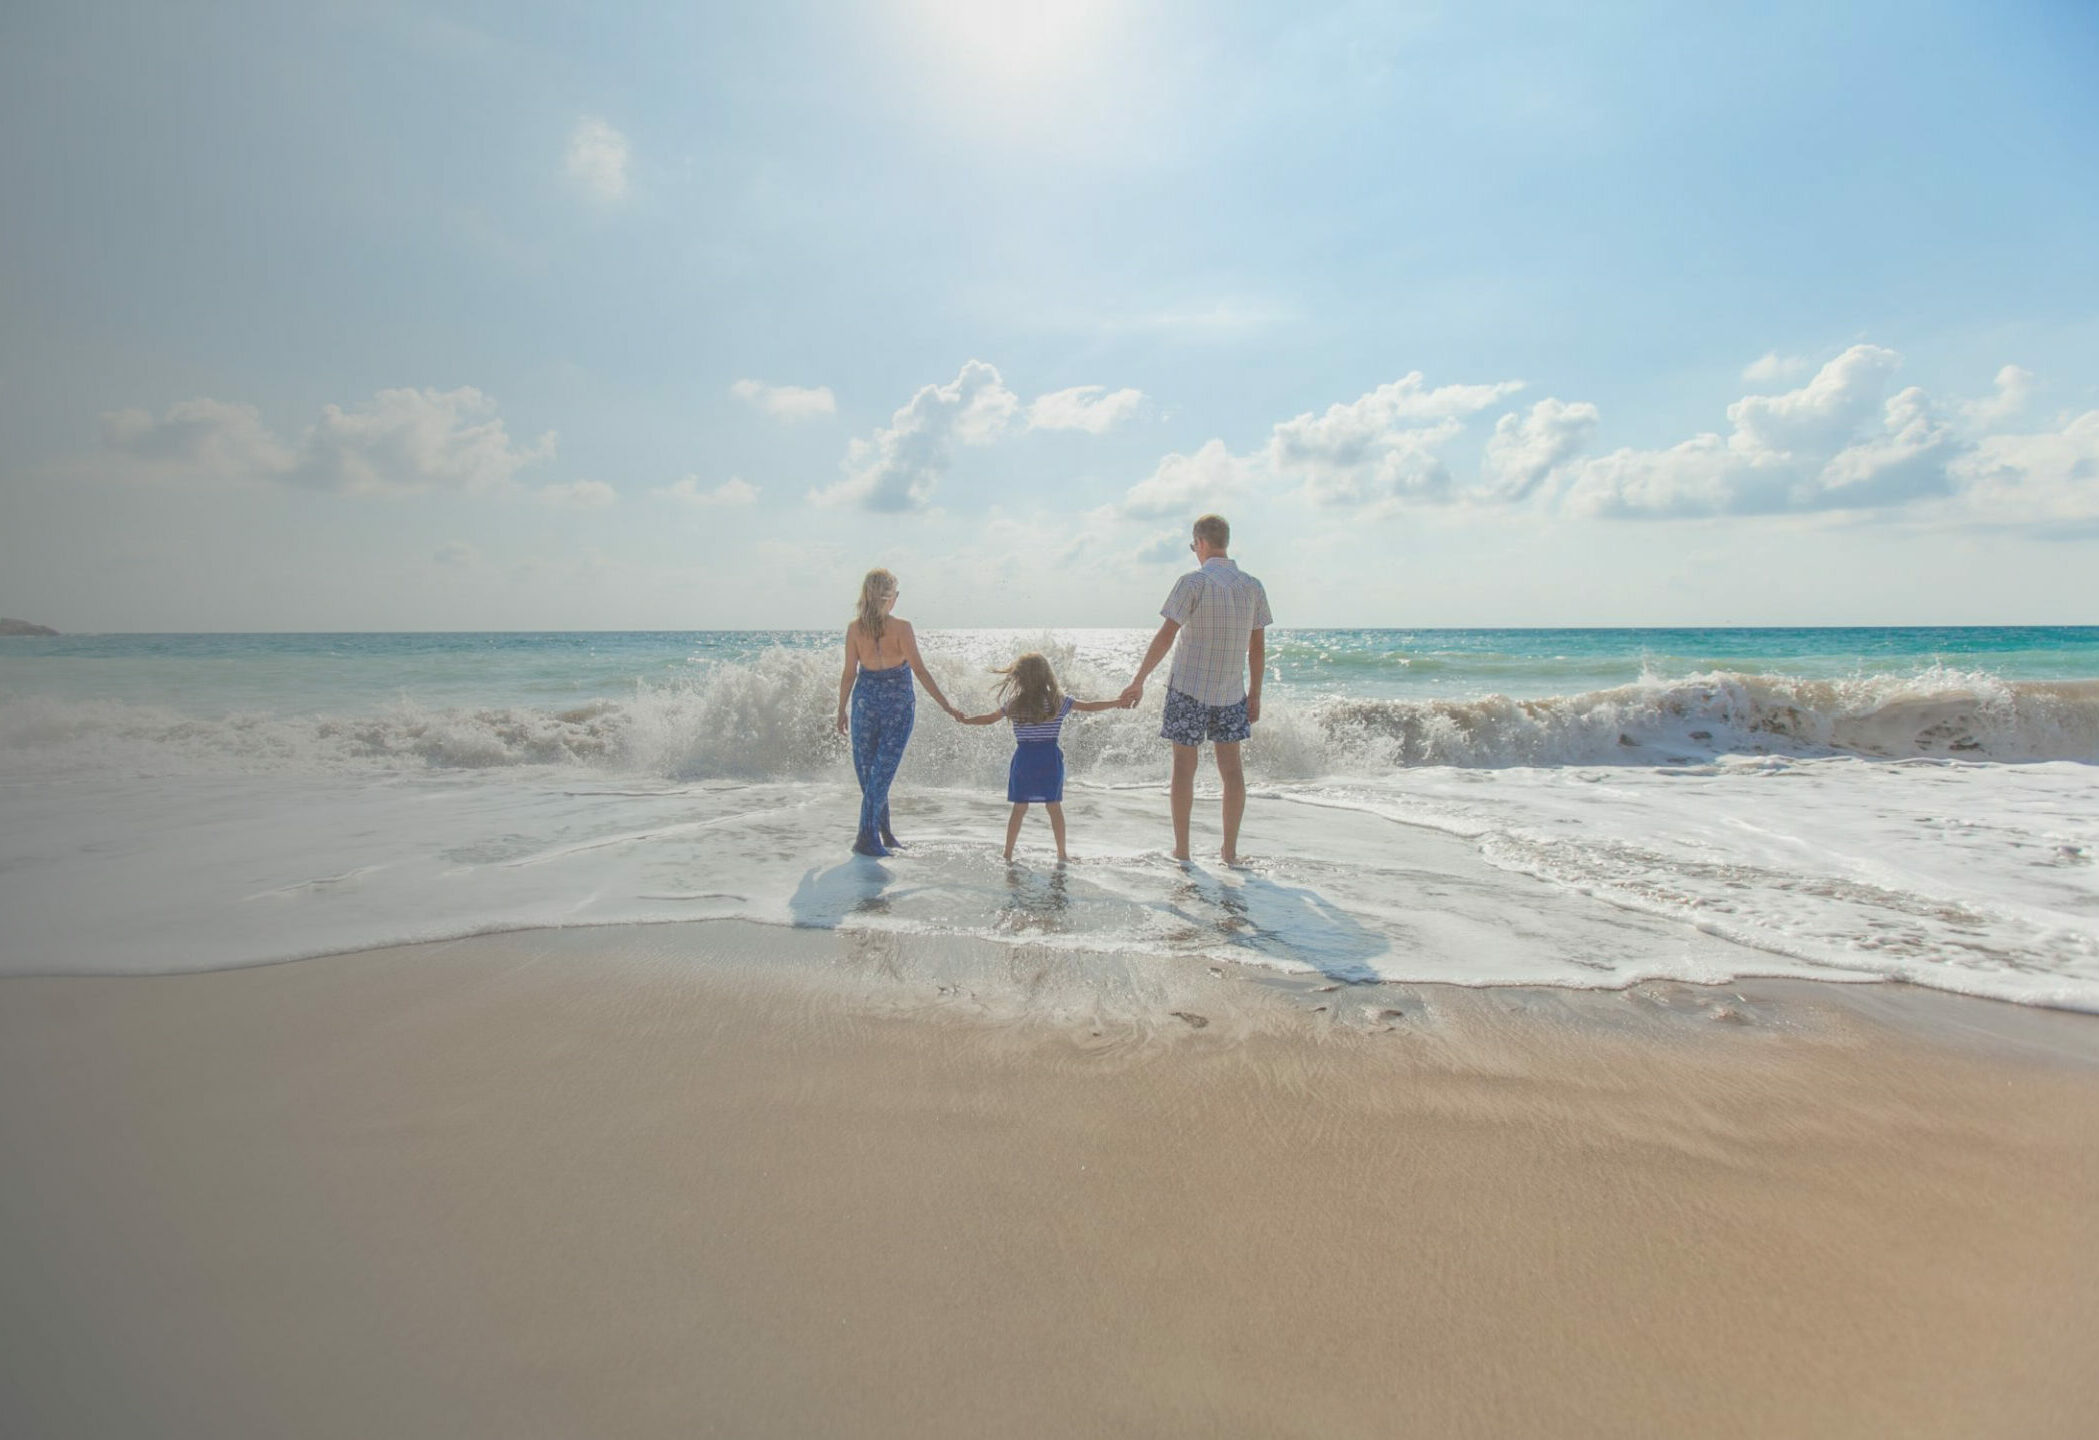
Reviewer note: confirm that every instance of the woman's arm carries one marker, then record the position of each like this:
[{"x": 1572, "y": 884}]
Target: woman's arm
[
  {"x": 845, "y": 679},
  {"x": 918, "y": 667}
]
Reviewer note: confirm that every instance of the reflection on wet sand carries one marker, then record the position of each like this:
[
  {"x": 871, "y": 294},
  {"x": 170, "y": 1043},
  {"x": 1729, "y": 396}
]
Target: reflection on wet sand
[{"x": 1035, "y": 902}]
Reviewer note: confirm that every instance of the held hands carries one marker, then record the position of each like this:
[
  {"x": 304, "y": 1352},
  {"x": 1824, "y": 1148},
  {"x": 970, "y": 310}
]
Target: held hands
[{"x": 1131, "y": 695}]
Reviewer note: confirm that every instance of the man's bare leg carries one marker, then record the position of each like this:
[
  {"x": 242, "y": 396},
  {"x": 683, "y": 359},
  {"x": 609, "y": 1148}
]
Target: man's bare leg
[
  {"x": 1234, "y": 778},
  {"x": 1184, "y": 758}
]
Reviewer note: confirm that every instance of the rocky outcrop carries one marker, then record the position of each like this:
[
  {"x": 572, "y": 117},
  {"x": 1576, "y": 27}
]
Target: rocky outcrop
[{"x": 23, "y": 627}]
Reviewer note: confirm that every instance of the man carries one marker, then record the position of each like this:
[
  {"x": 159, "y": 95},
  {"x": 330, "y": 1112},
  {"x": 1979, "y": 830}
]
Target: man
[{"x": 1220, "y": 614}]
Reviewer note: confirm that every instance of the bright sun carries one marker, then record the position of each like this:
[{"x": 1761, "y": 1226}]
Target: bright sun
[{"x": 1005, "y": 43}]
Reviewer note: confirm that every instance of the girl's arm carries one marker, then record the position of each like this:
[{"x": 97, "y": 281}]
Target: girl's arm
[
  {"x": 992, "y": 719},
  {"x": 1115, "y": 704},
  {"x": 918, "y": 668},
  {"x": 845, "y": 680}
]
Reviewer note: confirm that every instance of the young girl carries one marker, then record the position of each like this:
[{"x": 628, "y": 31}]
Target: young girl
[{"x": 1029, "y": 697}]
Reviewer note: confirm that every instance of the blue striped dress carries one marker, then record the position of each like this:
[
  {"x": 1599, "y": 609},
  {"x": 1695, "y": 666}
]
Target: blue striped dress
[{"x": 1036, "y": 776}]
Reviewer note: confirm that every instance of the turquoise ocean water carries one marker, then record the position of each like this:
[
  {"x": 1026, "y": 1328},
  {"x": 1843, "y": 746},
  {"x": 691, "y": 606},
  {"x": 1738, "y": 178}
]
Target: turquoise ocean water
[{"x": 216, "y": 674}]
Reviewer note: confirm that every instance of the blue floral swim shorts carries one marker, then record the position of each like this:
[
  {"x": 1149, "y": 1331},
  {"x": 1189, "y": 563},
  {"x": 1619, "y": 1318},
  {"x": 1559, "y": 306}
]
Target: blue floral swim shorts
[{"x": 1190, "y": 722}]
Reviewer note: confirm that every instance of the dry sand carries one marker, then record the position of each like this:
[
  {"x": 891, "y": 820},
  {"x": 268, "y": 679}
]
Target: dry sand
[{"x": 599, "y": 1184}]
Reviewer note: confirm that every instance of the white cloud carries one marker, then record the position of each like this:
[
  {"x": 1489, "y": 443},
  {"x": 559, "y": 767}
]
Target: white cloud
[
  {"x": 1524, "y": 449},
  {"x": 1838, "y": 442},
  {"x": 1838, "y": 403},
  {"x": 732, "y": 491},
  {"x": 2014, "y": 391},
  {"x": 899, "y": 467},
  {"x": 208, "y": 439},
  {"x": 786, "y": 402},
  {"x": 1189, "y": 484},
  {"x": 2048, "y": 478},
  {"x": 1776, "y": 369},
  {"x": 1093, "y": 408},
  {"x": 1163, "y": 549},
  {"x": 1385, "y": 444},
  {"x": 400, "y": 442},
  {"x": 597, "y": 159},
  {"x": 456, "y": 553},
  {"x": 1382, "y": 446},
  {"x": 578, "y": 495},
  {"x": 410, "y": 440}
]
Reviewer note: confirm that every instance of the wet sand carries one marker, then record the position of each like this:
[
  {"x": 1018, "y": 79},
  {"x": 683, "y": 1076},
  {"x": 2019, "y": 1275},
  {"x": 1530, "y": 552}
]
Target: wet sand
[{"x": 719, "y": 1180}]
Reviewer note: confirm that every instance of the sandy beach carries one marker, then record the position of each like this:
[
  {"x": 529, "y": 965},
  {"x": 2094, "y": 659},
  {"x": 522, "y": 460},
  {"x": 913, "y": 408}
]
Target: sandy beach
[{"x": 724, "y": 1179}]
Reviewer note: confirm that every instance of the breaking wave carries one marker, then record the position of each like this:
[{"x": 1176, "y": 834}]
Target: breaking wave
[{"x": 771, "y": 717}]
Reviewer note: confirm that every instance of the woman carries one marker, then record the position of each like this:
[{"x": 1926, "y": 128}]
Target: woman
[{"x": 881, "y": 656}]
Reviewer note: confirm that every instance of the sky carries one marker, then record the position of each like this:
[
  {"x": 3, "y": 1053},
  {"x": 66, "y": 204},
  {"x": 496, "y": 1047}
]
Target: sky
[{"x": 348, "y": 316}]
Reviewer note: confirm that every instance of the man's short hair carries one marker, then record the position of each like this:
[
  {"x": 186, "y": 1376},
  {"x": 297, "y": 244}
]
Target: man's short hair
[{"x": 1214, "y": 531}]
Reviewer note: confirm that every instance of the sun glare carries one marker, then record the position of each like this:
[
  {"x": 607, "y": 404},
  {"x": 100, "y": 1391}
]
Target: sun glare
[{"x": 1001, "y": 44}]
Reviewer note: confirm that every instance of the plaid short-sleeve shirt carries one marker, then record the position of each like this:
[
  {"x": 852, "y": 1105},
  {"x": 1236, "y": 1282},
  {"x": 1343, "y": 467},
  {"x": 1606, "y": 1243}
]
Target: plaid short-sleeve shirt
[{"x": 1218, "y": 608}]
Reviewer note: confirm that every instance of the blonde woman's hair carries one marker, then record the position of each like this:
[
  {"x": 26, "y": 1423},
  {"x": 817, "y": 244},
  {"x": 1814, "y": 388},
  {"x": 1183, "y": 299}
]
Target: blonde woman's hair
[
  {"x": 1029, "y": 692},
  {"x": 879, "y": 583}
]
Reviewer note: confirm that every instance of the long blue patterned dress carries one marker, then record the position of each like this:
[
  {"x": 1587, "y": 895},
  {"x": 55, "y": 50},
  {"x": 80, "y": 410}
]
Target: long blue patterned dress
[{"x": 885, "y": 703}]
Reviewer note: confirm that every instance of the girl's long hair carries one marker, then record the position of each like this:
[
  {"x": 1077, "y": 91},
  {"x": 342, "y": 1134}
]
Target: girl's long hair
[
  {"x": 879, "y": 583},
  {"x": 1029, "y": 692}
]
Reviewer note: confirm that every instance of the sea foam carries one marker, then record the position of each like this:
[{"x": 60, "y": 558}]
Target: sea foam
[
  {"x": 1939, "y": 826},
  {"x": 771, "y": 717}
]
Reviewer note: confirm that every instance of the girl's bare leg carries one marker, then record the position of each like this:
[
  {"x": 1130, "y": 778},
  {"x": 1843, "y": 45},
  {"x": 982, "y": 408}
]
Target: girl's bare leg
[
  {"x": 1020, "y": 813},
  {"x": 1056, "y": 814}
]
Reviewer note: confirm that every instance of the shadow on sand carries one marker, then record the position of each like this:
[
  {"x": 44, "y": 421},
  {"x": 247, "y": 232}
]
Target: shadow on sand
[
  {"x": 825, "y": 897},
  {"x": 1283, "y": 922},
  {"x": 1246, "y": 911}
]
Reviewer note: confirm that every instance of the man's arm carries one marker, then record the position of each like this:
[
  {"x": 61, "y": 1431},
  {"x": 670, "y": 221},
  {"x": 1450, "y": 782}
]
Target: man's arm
[
  {"x": 1256, "y": 662},
  {"x": 1161, "y": 644}
]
